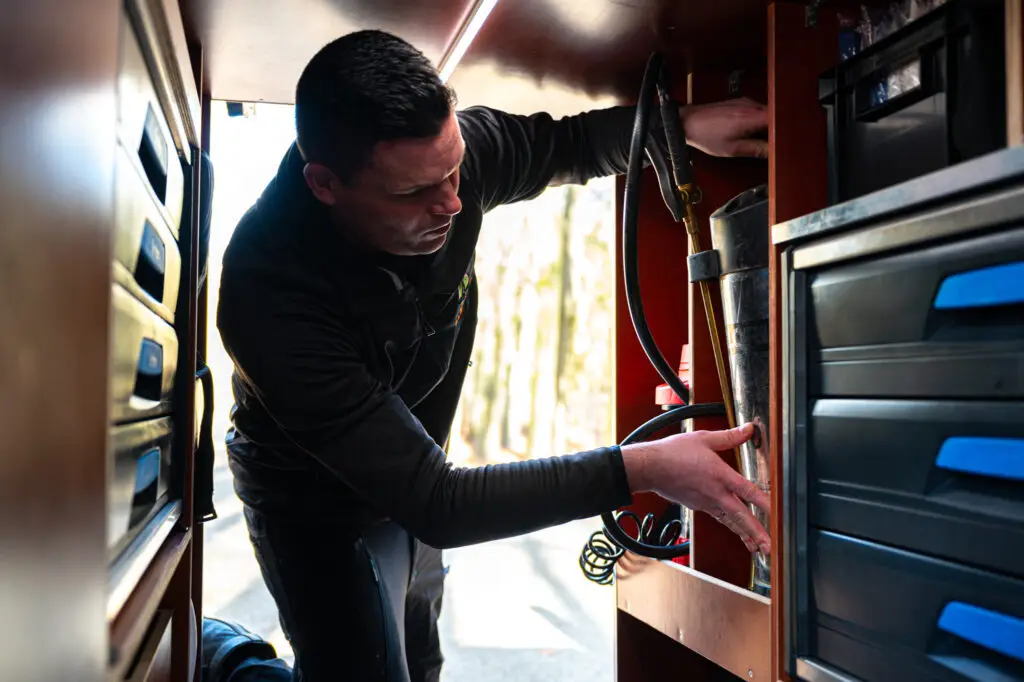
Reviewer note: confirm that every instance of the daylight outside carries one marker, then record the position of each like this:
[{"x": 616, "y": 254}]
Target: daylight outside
[{"x": 540, "y": 384}]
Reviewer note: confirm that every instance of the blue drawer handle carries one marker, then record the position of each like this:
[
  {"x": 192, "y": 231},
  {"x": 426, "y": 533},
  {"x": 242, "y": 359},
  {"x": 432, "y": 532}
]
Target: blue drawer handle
[
  {"x": 999, "y": 457},
  {"x": 152, "y": 249},
  {"x": 151, "y": 358},
  {"x": 989, "y": 629},
  {"x": 147, "y": 470},
  {"x": 996, "y": 285}
]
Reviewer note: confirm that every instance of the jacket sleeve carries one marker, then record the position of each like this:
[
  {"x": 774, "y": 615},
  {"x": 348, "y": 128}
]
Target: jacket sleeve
[
  {"x": 307, "y": 371},
  {"x": 510, "y": 158}
]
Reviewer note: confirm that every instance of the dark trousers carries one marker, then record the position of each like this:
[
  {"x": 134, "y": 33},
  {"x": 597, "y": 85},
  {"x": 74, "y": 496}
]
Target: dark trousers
[
  {"x": 363, "y": 609},
  {"x": 362, "y": 604}
]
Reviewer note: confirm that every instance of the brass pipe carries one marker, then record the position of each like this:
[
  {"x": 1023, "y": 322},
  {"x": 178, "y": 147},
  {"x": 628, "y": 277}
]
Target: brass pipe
[{"x": 690, "y": 220}]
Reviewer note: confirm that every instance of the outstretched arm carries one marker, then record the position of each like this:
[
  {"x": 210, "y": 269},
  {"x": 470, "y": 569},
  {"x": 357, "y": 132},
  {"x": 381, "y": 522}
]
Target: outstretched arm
[
  {"x": 308, "y": 373},
  {"x": 510, "y": 157}
]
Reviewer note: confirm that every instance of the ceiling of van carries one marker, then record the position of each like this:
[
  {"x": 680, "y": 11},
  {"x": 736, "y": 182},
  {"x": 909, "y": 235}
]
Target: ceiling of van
[{"x": 559, "y": 55}]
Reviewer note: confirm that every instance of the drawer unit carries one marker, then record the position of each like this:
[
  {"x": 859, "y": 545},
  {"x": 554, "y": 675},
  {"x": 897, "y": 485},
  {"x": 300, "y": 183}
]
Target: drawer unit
[
  {"x": 141, "y": 466},
  {"x": 146, "y": 254},
  {"x": 942, "y": 477},
  {"x": 903, "y": 433},
  {"x": 890, "y": 615},
  {"x": 942, "y": 321},
  {"x": 144, "y": 360},
  {"x": 143, "y": 130}
]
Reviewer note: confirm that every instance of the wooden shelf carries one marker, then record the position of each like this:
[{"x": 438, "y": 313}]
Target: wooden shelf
[
  {"x": 129, "y": 629},
  {"x": 725, "y": 624}
]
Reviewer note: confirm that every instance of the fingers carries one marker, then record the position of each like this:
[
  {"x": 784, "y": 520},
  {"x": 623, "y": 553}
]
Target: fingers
[
  {"x": 743, "y": 523},
  {"x": 728, "y": 439},
  {"x": 757, "y": 149},
  {"x": 750, "y": 493},
  {"x": 730, "y": 523}
]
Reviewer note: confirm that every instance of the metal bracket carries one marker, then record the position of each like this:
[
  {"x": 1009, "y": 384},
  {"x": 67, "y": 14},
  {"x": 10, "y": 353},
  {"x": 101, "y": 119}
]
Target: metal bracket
[{"x": 703, "y": 266}]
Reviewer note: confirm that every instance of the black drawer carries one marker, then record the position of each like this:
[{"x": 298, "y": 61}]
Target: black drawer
[
  {"x": 145, "y": 250},
  {"x": 942, "y": 322},
  {"x": 140, "y": 465},
  {"x": 883, "y": 615},
  {"x": 954, "y": 294},
  {"x": 941, "y": 477},
  {"x": 991, "y": 370},
  {"x": 144, "y": 360},
  {"x": 143, "y": 129}
]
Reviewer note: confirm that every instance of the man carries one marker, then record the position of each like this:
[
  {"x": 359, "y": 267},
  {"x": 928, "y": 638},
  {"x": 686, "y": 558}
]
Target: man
[{"x": 348, "y": 306}]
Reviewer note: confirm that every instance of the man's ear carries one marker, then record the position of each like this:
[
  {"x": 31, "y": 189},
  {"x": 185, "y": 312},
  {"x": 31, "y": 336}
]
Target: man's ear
[{"x": 320, "y": 181}]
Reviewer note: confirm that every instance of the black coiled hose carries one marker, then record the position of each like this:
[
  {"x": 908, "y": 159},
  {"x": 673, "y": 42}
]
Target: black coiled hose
[
  {"x": 604, "y": 547},
  {"x": 655, "y": 540},
  {"x": 630, "y": 219}
]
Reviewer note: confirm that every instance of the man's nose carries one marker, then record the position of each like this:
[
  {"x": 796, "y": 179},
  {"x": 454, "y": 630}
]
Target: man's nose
[{"x": 449, "y": 203}]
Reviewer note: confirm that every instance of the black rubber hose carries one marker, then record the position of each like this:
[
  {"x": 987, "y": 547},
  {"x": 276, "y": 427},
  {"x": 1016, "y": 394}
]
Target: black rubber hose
[
  {"x": 630, "y": 220},
  {"x": 611, "y": 523}
]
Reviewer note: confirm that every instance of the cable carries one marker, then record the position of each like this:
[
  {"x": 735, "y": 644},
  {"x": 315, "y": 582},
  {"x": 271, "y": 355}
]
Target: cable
[
  {"x": 630, "y": 220},
  {"x": 605, "y": 547}
]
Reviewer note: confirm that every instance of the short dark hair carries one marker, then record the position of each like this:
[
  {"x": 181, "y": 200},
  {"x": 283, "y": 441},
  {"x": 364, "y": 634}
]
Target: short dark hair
[{"x": 363, "y": 88}]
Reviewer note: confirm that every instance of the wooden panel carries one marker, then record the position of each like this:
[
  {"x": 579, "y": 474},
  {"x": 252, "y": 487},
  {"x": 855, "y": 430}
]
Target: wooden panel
[
  {"x": 797, "y": 164},
  {"x": 128, "y": 630},
  {"x": 644, "y": 655},
  {"x": 256, "y": 50},
  {"x": 151, "y": 663},
  {"x": 1015, "y": 72},
  {"x": 58, "y": 64},
  {"x": 716, "y": 550},
  {"x": 725, "y": 624}
]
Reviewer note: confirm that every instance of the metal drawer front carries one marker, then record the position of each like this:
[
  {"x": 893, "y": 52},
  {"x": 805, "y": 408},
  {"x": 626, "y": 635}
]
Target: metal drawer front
[
  {"x": 145, "y": 357},
  {"x": 149, "y": 262},
  {"x": 143, "y": 129},
  {"x": 945, "y": 321},
  {"x": 141, "y": 469},
  {"x": 885, "y": 615},
  {"x": 941, "y": 477}
]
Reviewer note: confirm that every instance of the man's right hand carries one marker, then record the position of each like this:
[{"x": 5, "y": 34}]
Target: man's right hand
[{"x": 687, "y": 469}]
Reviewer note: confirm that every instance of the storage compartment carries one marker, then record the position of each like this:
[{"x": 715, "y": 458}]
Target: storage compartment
[
  {"x": 941, "y": 477},
  {"x": 944, "y": 321},
  {"x": 143, "y": 129},
  {"x": 145, "y": 357},
  {"x": 143, "y": 243},
  {"x": 930, "y": 95},
  {"x": 141, "y": 465},
  {"x": 149, "y": 665},
  {"x": 884, "y": 615}
]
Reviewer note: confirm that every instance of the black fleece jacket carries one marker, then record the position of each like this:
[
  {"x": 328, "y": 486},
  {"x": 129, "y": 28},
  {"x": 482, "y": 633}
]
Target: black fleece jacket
[{"x": 333, "y": 351}]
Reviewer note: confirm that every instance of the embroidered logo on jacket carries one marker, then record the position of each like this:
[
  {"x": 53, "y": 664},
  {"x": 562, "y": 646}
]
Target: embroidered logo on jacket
[{"x": 462, "y": 291}]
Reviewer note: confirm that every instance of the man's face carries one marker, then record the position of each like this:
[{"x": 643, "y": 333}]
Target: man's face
[{"x": 403, "y": 202}]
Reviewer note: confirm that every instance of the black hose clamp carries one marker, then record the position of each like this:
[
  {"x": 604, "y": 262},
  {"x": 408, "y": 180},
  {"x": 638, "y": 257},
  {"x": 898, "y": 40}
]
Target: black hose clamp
[{"x": 704, "y": 266}]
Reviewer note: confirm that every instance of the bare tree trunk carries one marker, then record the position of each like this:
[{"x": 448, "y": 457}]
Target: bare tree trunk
[
  {"x": 517, "y": 331},
  {"x": 489, "y": 392},
  {"x": 531, "y": 438},
  {"x": 565, "y": 316}
]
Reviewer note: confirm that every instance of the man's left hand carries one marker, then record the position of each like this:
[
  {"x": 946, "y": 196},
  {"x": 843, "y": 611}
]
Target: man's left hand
[{"x": 727, "y": 128}]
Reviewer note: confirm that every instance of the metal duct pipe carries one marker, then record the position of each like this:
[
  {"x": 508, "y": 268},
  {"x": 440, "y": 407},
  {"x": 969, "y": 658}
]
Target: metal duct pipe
[{"x": 740, "y": 235}]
